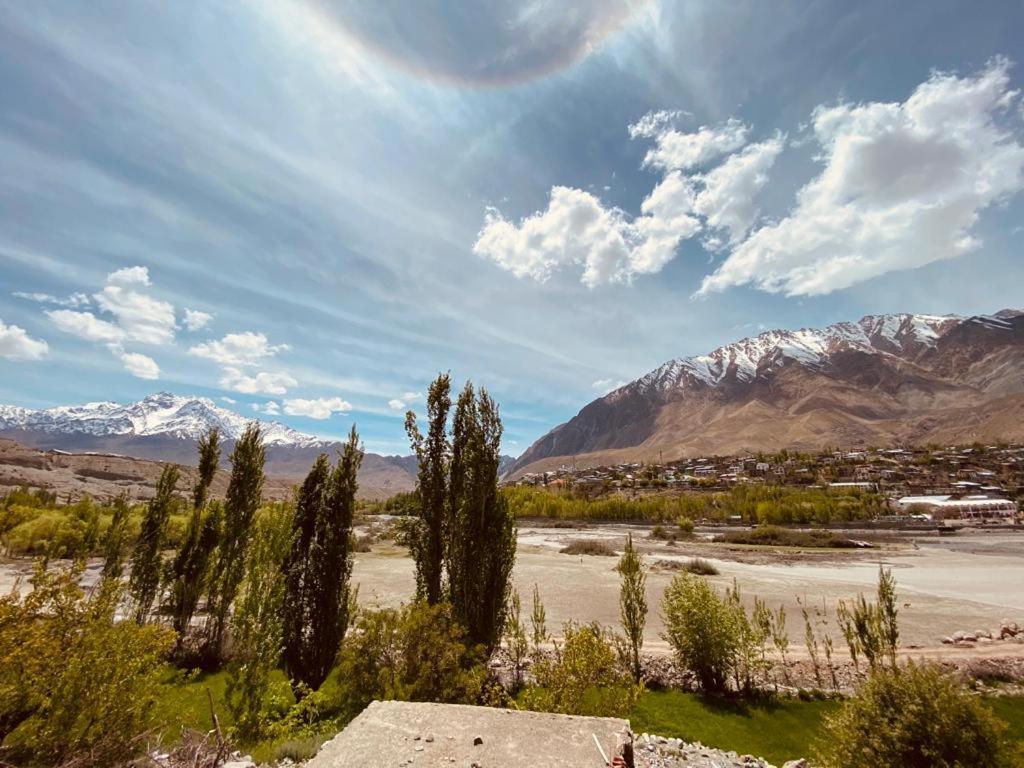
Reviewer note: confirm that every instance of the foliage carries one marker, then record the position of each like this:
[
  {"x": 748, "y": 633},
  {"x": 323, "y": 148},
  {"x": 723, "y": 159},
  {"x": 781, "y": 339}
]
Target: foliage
[
  {"x": 538, "y": 621},
  {"x": 713, "y": 636},
  {"x": 74, "y": 685},
  {"x": 480, "y": 546},
  {"x": 515, "y": 638},
  {"x": 115, "y": 540},
  {"x": 256, "y": 624},
  {"x": 912, "y": 716},
  {"x": 209, "y": 460},
  {"x": 147, "y": 559},
  {"x": 632, "y": 603},
  {"x": 583, "y": 677},
  {"x": 588, "y": 547},
  {"x": 433, "y": 453},
  {"x": 414, "y": 653},
  {"x": 317, "y": 569},
  {"x": 754, "y": 503},
  {"x": 245, "y": 490},
  {"x": 871, "y": 629},
  {"x": 774, "y": 536},
  {"x": 698, "y": 566}
]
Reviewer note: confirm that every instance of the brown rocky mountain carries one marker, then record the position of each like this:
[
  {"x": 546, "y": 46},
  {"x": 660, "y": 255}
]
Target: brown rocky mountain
[{"x": 884, "y": 380}]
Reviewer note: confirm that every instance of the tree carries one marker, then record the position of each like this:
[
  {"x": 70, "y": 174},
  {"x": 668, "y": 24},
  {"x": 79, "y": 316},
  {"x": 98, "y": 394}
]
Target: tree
[
  {"x": 583, "y": 677},
  {"x": 245, "y": 492},
  {"x": 76, "y": 687},
  {"x": 701, "y": 629},
  {"x": 871, "y": 629},
  {"x": 433, "y": 454},
  {"x": 912, "y": 716},
  {"x": 538, "y": 622},
  {"x": 115, "y": 539},
  {"x": 147, "y": 559},
  {"x": 188, "y": 572},
  {"x": 632, "y": 604},
  {"x": 481, "y": 545},
  {"x": 515, "y": 638},
  {"x": 256, "y": 626},
  {"x": 317, "y": 569}
]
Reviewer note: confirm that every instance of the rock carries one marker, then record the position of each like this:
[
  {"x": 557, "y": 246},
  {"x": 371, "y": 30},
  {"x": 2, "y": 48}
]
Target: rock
[
  {"x": 947, "y": 641},
  {"x": 801, "y": 763},
  {"x": 980, "y": 633},
  {"x": 958, "y": 636},
  {"x": 478, "y": 740}
]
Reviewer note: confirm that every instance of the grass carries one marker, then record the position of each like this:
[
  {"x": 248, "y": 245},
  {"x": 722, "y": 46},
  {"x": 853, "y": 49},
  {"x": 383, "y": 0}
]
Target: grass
[
  {"x": 778, "y": 730},
  {"x": 587, "y": 547},
  {"x": 775, "y": 730},
  {"x": 775, "y": 536}
]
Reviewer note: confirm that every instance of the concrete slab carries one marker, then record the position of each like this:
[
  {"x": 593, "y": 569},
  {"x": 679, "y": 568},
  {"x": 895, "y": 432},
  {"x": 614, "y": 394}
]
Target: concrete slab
[{"x": 392, "y": 733}]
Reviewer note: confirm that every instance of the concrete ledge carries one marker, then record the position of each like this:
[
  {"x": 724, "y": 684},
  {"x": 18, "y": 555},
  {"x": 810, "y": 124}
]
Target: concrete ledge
[{"x": 388, "y": 734}]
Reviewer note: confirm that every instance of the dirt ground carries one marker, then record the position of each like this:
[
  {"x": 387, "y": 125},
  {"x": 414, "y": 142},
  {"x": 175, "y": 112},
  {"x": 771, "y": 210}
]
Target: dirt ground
[{"x": 972, "y": 581}]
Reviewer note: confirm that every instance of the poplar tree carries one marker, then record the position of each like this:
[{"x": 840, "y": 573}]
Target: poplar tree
[
  {"x": 188, "y": 571},
  {"x": 147, "y": 559},
  {"x": 632, "y": 603},
  {"x": 115, "y": 539},
  {"x": 480, "y": 543},
  {"x": 433, "y": 453},
  {"x": 245, "y": 491}
]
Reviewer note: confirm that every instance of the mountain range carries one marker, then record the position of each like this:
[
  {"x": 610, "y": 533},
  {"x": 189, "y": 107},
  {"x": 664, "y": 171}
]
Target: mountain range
[
  {"x": 883, "y": 380},
  {"x": 166, "y": 427}
]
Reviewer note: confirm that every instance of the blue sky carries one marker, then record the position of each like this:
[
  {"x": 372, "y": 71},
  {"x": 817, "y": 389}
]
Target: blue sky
[{"x": 310, "y": 207}]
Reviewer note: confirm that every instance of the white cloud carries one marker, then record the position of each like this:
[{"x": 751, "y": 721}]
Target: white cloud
[
  {"x": 229, "y": 400},
  {"x": 604, "y": 386},
  {"x": 196, "y": 320},
  {"x": 675, "y": 150},
  {"x": 262, "y": 383},
  {"x": 85, "y": 325},
  {"x": 74, "y": 300},
  {"x": 403, "y": 402},
  {"x": 16, "y": 344},
  {"x": 143, "y": 318},
  {"x": 238, "y": 349},
  {"x": 270, "y": 408},
  {"x": 728, "y": 200},
  {"x": 140, "y": 365},
  {"x": 903, "y": 185},
  {"x": 320, "y": 408},
  {"x": 577, "y": 229}
]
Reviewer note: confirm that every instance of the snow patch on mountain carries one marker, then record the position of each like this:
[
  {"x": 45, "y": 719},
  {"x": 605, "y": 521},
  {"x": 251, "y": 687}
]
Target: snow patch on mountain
[
  {"x": 158, "y": 414},
  {"x": 744, "y": 360}
]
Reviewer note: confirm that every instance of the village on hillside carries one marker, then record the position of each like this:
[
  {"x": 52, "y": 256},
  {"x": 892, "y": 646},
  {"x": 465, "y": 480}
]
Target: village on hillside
[{"x": 975, "y": 484}]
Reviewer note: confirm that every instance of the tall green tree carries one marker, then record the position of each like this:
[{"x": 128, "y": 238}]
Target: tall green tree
[
  {"x": 116, "y": 539},
  {"x": 245, "y": 492},
  {"x": 188, "y": 571},
  {"x": 317, "y": 568},
  {"x": 256, "y": 624},
  {"x": 147, "y": 559},
  {"x": 632, "y": 603},
  {"x": 434, "y": 454},
  {"x": 481, "y": 546}
]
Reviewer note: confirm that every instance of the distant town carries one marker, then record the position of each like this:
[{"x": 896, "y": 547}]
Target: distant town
[{"x": 981, "y": 484}]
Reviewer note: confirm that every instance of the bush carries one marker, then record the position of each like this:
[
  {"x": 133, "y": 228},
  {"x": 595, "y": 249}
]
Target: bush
[
  {"x": 774, "y": 536},
  {"x": 912, "y": 716},
  {"x": 705, "y": 631},
  {"x": 74, "y": 685},
  {"x": 698, "y": 566},
  {"x": 587, "y": 547},
  {"x": 414, "y": 653},
  {"x": 584, "y": 677}
]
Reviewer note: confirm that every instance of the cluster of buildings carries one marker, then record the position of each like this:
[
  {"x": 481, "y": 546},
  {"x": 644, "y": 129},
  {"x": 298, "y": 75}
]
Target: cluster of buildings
[{"x": 976, "y": 483}]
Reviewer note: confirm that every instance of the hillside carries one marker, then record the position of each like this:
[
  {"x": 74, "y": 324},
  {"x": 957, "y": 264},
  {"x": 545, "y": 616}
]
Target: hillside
[{"x": 884, "y": 380}]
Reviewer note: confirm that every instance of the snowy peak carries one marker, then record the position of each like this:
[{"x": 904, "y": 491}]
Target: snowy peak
[
  {"x": 158, "y": 414},
  {"x": 903, "y": 335}
]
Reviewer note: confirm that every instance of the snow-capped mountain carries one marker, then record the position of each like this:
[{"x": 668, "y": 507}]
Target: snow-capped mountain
[
  {"x": 159, "y": 414},
  {"x": 883, "y": 379}
]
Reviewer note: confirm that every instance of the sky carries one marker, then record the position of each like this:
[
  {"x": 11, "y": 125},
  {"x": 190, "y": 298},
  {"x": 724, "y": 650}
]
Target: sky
[{"x": 305, "y": 209}]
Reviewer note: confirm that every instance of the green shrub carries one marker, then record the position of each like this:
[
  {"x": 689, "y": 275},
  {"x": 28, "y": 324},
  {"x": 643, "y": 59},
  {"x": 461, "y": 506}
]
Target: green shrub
[
  {"x": 774, "y": 536},
  {"x": 698, "y": 566},
  {"x": 912, "y": 716},
  {"x": 414, "y": 653},
  {"x": 74, "y": 685},
  {"x": 583, "y": 677}
]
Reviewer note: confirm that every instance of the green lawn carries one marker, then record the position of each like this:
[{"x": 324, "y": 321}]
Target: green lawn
[{"x": 778, "y": 731}]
